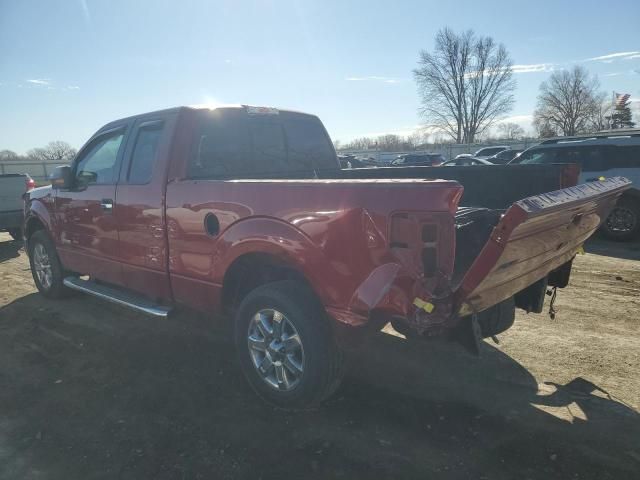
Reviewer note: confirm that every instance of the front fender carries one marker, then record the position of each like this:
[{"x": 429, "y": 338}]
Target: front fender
[{"x": 37, "y": 211}]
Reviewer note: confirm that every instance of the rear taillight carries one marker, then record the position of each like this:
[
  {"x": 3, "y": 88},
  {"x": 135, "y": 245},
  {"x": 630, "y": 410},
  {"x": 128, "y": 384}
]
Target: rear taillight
[
  {"x": 414, "y": 240},
  {"x": 569, "y": 176},
  {"x": 31, "y": 184}
]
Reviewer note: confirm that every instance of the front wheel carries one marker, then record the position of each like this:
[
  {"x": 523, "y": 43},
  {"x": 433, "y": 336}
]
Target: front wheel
[
  {"x": 285, "y": 346},
  {"x": 46, "y": 268},
  {"x": 623, "y": 223}
]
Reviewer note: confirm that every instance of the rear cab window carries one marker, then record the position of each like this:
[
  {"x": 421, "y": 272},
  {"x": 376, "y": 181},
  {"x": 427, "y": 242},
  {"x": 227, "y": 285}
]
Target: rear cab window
[
  {"x": 144, "y": 153},
  {"x": 235, "y": 143}
]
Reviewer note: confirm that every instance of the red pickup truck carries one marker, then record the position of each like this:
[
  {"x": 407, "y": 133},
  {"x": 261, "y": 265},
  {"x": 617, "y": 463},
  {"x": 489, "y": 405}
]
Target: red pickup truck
[{"x": 245, "y": 210}]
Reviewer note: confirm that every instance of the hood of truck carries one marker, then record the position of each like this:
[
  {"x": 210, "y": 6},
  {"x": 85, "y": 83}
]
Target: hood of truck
[{"x": 535, "y": 236}]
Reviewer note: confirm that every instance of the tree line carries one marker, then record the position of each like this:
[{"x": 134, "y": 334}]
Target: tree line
[
  {"x": 56, "y": 151},
  {"x": 466, "y": 87}
]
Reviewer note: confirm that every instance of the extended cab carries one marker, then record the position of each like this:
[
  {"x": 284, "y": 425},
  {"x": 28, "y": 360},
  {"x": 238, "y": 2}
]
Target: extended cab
[{"x": 245, "y": 210}]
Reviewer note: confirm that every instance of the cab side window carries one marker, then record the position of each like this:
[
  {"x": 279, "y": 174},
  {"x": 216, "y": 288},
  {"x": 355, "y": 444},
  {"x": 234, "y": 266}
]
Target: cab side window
[
  {"x": 97, "y": 165},
  {"x": 144, "y": 153}
]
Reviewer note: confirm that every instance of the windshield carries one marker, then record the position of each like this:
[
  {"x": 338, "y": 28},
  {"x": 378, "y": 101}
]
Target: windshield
[{"x": 537, "y": 156}]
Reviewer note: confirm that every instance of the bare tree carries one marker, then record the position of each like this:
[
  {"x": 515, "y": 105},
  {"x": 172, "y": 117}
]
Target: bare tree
[
  {"x": 510, "y": 131},
  {"x": 568, "y": 101},
  {"x": 601, "y": 114},
  {"x": 53, "y": 151},
  {"x": 544, "y": 129},
  {"x": 466, "y": 84},
  {"x": 8, "y": 156}
]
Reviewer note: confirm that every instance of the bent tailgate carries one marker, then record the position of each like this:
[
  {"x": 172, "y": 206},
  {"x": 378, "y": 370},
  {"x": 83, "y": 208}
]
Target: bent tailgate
[{"x": 535, "y": 236}]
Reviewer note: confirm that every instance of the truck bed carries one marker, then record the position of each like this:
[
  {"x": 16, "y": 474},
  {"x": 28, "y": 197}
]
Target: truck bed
[{"x": 488, "y": 186}]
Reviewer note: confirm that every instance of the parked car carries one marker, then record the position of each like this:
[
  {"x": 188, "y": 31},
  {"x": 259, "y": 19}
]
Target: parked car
[
  {"x": 601, "y": 155},
  {"x": 12, "y": 188},
  {"x": 246, "y": 211},
  {"x": 418, "y": 159},
  {"x": 351, "y": 161},
  {"x": 465, "y": 161},
  {"x": 487, "y": 152},
  {"x": 505, "y": 156}
]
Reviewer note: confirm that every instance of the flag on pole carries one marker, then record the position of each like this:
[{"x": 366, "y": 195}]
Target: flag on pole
[{"x": 621, "y": 99}]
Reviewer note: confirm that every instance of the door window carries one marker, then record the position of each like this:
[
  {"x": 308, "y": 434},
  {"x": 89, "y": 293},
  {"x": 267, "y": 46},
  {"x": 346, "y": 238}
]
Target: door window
[{"x": 97, "y": 165}]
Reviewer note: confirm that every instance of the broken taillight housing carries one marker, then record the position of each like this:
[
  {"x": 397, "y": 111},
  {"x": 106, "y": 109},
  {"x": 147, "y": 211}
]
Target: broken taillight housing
[
  {"x": 414, "y": 240},
  {"x": 30, "y": 183}
]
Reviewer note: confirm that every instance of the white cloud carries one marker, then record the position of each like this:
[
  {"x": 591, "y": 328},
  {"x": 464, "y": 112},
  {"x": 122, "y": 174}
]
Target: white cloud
[
  {"x": 632, "y": 57},
  {"x": 534, "y": 68},
  {"x": 39, "y": 81},
  {"x": 517, "y": 119},
  {"x": 373, "y": 78},
  {"x": 613, "y": 56},
  {"x": 73, "y": 87}
]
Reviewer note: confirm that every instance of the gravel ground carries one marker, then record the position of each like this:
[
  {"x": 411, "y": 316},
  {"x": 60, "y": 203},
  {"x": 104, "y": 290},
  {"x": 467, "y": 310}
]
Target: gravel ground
[{"x": 89, "y": 390}]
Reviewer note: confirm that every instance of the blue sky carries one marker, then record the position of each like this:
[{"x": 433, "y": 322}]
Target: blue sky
[{"x": 68, "y": 67}]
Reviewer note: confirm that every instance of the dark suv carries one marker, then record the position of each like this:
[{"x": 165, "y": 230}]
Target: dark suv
[{"x": 606, "y": 154}]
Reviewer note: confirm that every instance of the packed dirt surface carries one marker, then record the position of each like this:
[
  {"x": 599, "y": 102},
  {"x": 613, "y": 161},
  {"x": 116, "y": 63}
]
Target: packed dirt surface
[{"x": 89, "y": 390}]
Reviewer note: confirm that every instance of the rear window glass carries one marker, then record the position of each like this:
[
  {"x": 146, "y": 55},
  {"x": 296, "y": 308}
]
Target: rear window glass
[{"x": 234, "y": 144}]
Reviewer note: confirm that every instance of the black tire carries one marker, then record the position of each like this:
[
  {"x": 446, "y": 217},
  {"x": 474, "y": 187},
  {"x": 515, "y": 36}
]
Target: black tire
[
  {"x": 56, "y": 289},
  {"x": 498, "y": 318},
  {"x": 16, "y": 233},
  {"x": 629, "y": 208},
  {"x": 323, "y": 364}
]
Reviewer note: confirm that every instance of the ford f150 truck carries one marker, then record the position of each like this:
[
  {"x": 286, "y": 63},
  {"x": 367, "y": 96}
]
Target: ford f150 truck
[{"x": 245, "y": 210}]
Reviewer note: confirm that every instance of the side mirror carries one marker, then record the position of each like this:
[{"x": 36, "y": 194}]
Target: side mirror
[{"x": 61, "y": 177}]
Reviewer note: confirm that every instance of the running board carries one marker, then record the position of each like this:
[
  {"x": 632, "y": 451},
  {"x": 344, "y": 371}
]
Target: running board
[{"x": 117, "y": 296}]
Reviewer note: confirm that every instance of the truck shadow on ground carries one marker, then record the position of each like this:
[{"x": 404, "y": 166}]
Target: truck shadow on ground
[
  {"x": 93, "y": 391},
  {"x": 9, "y": 249}
]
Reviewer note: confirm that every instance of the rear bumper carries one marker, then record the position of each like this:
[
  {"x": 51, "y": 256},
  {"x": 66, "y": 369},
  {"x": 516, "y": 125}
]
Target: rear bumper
[
  {"x": 535, "y": 236},
  {"x": 11, "y": 219}
]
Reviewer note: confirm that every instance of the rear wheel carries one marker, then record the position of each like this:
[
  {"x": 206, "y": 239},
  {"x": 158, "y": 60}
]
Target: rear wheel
[
  {"x": 46, "y": 269},
  {"x": 285, "y": 346},
  {"x": 623, "y": 223}
]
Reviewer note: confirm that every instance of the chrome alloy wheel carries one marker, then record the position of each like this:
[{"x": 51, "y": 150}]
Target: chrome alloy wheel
[
  {"x": 42, "y": 266},
  {"x": 275, "y": 349}
]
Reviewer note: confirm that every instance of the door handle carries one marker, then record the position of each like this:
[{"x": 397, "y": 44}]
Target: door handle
[{"x": 107, "y": 205}]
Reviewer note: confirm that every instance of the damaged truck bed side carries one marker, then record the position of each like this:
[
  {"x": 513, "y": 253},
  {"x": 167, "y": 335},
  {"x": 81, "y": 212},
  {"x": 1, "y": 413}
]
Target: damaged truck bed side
[{"x": 245, "y": 210}]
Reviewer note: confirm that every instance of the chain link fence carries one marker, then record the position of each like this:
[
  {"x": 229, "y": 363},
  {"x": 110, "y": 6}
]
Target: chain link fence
[{"x": 39, "y": 171}]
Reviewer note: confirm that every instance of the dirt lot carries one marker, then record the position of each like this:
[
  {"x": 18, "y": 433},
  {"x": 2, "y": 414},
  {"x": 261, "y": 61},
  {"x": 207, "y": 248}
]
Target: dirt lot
[{"x": 89, "y": 390}]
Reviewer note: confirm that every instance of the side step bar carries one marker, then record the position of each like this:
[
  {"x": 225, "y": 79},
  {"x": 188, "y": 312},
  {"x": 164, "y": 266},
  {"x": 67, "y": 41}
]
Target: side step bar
[{"x": 116, "y": 296}]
